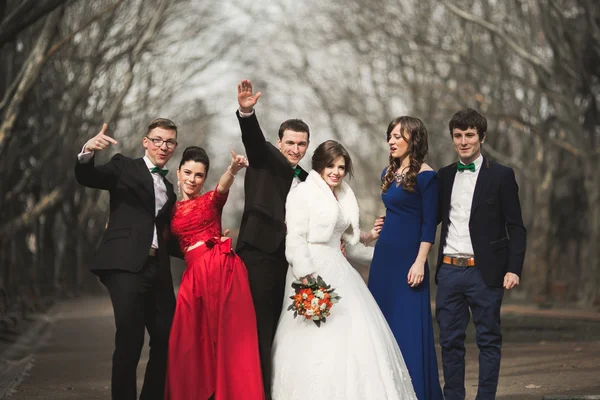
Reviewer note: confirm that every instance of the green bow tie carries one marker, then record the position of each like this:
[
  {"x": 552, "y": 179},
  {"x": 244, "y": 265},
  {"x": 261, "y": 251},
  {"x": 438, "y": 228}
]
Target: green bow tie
[
  {"x": 297, "y": 172},
  {"x": 462, "y": 167},
  {"x": 161, "y": 171}
]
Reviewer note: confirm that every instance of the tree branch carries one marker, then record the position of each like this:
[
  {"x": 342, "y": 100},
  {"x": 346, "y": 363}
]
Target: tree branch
[
  {"x": 68, "y": 38},
  {"x": 21, "y": 18},
  {"x": 32, "y": 69},
  {"x": 535, "y": 61},
  {"x": 147, "y": 36},
  {"x": 47, "y": 202}
]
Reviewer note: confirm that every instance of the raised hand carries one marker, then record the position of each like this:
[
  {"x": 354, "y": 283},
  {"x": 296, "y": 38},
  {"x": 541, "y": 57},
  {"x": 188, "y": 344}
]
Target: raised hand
[
  {"x": 246, "y": 99},
  {"x": 100, "y": 142},
  {"x": 238, "y": 162}
]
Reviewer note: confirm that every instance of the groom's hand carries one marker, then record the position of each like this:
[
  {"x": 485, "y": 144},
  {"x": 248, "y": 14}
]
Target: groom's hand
[
  {"x": 99, "y": 142},
  {"x": 246, "y": 99},
  {"x": 511, "y": 280}
]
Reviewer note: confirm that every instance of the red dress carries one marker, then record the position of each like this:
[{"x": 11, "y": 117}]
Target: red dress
[{"x": 213, "y": 346}]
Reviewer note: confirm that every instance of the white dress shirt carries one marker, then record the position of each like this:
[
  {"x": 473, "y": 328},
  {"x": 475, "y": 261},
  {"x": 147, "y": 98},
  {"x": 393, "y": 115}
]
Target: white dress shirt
[
  {"x": 160, "y": 189},
  {"x": 295, "y": 182},
  {"x": 458, "y": 241},
  {"x": 160, "y": 196}
]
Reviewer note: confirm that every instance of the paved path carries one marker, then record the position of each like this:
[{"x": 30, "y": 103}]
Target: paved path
[
  {"x": 76, "y": 362},
  {"x": 543, "y": 354},
  {"x": 525, "y": 310}
]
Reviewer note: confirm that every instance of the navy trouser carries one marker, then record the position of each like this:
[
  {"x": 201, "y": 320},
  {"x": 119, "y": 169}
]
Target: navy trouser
[{"x": 460, "y": 289}]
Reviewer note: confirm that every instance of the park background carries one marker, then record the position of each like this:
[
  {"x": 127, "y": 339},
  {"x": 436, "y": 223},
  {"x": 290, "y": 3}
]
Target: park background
[{"x": 347, "y": 68}]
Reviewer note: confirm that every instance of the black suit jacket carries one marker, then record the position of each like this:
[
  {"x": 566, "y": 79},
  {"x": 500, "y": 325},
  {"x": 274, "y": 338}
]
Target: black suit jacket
[
  {"x": 495, "y": 225},
  {"x": 266, "y": 186},
  {"x": 128, "y": 237}
]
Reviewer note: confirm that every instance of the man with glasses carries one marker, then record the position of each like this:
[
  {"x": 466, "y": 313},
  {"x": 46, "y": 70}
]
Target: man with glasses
[{"x": 132, "y": 260}]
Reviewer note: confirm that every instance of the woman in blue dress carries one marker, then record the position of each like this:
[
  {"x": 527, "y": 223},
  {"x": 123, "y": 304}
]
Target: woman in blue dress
[{"x": 399, "y": 275}]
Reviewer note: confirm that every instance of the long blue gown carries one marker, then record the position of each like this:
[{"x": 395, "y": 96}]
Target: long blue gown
[{"x": 411, "y": 218}]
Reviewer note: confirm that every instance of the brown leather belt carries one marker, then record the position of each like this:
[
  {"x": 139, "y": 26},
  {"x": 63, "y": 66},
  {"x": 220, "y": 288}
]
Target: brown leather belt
[
  {"x": 459, "y": 261},
  {"x": 153, "y": 252}
]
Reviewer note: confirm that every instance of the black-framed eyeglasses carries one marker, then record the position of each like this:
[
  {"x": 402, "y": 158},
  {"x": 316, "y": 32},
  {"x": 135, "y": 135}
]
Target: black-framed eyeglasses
[{"x": 159, "y": 142}]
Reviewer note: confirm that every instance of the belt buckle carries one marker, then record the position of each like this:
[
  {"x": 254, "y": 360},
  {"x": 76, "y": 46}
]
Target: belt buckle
[{"x": 462, "y": 261}]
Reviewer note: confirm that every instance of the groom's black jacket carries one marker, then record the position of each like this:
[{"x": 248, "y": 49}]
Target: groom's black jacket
[
  {"x": 267, "y": 183},
  {"x": 128, "y": 236},
  {"x": 495, "y": 225}
]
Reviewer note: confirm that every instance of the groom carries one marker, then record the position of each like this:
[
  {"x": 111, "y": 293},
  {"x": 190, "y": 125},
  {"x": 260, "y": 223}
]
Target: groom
[
  {"x": 481, "y": 253},
  {"x": 132, "y": 260},
  {"x": 272, "y": 172}
]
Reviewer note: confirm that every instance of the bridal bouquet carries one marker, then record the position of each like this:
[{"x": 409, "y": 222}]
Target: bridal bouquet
[{"x": 313, "y": 299}]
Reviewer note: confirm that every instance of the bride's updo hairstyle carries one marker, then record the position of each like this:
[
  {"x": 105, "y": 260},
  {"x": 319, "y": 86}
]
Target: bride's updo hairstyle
[
  {"x": 327, "y": 152},
  {"x": 197, "y": 154}
]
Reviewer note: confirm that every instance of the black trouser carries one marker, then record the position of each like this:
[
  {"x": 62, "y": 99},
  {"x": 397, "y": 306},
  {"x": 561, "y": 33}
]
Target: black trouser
[
  {"x": 140, "y": 300},
  {"x": 266, "y": 273}
]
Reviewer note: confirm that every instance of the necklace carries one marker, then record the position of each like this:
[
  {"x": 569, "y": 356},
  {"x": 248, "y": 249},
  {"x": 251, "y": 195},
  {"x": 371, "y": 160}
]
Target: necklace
[{"x": 399, "y": 177}]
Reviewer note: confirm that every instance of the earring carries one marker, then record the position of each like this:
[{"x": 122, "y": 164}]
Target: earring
[{"x": 178, "y": 188}]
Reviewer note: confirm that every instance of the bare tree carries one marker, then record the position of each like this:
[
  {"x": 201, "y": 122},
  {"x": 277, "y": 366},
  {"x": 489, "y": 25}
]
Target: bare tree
[
  {"x": 529, "y": 66},
  {"x": 82, "y": 63}
]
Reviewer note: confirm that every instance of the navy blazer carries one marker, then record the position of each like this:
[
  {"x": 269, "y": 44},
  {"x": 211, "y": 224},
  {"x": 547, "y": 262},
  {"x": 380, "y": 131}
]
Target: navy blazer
[
  {"x": 128, "y": 237},
  {"x": 267, "y": 183},
  {"x": 495, "y": 225}
]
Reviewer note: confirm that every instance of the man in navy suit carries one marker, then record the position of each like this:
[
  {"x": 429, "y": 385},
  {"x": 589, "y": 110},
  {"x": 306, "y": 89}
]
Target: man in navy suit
[{"x": 481, "y": 253}]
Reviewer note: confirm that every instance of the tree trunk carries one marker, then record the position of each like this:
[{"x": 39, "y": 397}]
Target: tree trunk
[
  {"x": 31, "y": 71},
  {"x": 538, "y": 265},
  {"x": 590, "y": 260},
  {"x": 48, "y": 256}
]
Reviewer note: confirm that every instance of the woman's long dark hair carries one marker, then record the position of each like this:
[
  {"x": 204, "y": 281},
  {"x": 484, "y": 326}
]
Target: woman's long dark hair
[{"x": 417, "y": 150}]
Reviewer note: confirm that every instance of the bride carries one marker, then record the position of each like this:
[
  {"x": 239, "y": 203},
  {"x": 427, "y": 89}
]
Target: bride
[{"x": 353, "y": 356}]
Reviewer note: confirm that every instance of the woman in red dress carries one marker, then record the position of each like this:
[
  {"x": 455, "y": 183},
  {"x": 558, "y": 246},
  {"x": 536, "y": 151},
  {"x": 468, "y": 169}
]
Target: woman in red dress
[{"x": 213, "y": 347}]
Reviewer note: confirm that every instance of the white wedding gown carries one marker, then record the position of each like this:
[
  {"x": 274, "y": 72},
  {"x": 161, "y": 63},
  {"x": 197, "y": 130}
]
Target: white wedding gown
[{"x": 353, "y": 356}]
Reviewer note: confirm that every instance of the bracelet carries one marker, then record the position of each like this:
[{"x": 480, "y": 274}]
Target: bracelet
[
  {"x": 230, "y": 173},
  {"x": 364, "y": 239}
]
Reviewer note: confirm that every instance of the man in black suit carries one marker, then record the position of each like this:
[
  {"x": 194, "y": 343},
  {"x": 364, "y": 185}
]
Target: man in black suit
[
  {"x": 272, "y": 172},
  {"x": 132, "y": 260},
  {"x": 481, "y": 253}
]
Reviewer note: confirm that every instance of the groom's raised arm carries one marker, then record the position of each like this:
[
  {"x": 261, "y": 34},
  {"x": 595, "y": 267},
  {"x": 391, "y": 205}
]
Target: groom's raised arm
[{"x": 252, "y": 136}]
